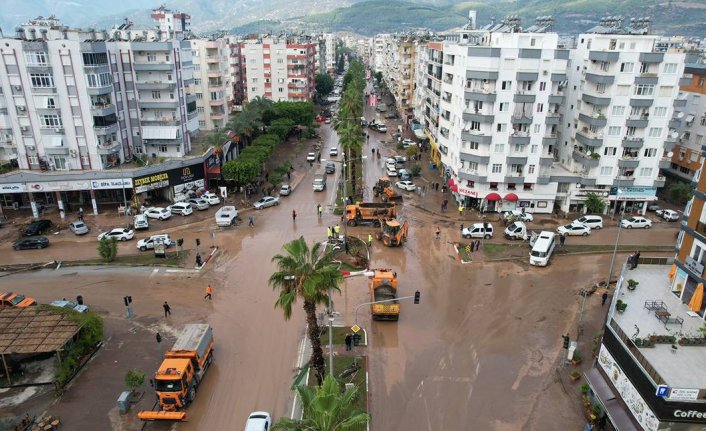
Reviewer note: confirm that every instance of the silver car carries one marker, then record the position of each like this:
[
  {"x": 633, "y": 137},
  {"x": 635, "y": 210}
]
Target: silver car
[
  {"x": 199, "y": 203},
  {"x": 78, "y": 227}
]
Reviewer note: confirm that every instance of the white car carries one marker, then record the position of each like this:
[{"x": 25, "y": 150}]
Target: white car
[
  {"x": 478, "y": 230},
  {"x": 148, "y": 243},
  {"x": 62, "y": 303},
  {"x": 592, "y": 221},
  {"x": 636, "y": 222},
  {"x": 670, "y": 215},
  {"x": 265, "y": 202},
  {"x": 406, "y": 185},
  {"x": 119, "y": 233},
  {"x": 158, "y": 213},
  {"x": 391, "y": 163},
  {"x": 391, "y": 171},
  {"x": 183, "y": 208},
  {"x": 406, "y": 143},
  {"x": 574, "y": 229},
  {"x": 211, "y": 198},
  {"x": 311, "y": 157},
  {"x": 400, "y": 159},
  {"x": 200, "y": 204},
  {"x": 285, "y": 190},
  {"x": 258, "y": 421},
  {"x": 518, "y": 214},
  {"x": 333, "y": 152}
]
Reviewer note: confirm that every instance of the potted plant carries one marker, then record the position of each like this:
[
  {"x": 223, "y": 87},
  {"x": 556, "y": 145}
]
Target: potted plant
[
  {"x": 595, "y": 156},
  {"x": 585, "y": 388},
  {"x": 575, "y": 374},
  {"x": 133, "y": 380},
  {"x": 577, "y": 358},
  {"x": 632, "y": 284},
  {"x": 620, "y": 305}
]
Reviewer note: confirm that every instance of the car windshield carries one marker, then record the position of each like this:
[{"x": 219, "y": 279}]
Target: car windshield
[
  {"x": 167, "y": 385},
  {"x": 17, "y": 299}
]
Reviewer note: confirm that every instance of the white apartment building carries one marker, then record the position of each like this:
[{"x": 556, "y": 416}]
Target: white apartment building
[
  {"x": 171, "y": 24},
  {"x": 399, "y": 63},
  {"x": 235, "y": 70},
  {"x": 379, "y": 43},
  {"x": 615, "y": 135},
  {"x": 329, "y": 53},
  {"x": 499, "y": 116},
  {"x": 213, "y": 86},
  {"x": 427, "y": 96}
]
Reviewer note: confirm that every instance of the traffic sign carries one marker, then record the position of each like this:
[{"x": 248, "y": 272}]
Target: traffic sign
[{"x": 355, "y": 328}]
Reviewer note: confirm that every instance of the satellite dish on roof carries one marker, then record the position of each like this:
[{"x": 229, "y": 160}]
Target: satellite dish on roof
[{"x": 670, "y": 154}]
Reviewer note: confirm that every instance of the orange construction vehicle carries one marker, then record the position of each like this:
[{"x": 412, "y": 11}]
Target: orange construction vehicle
[
  {"x": 384, "y": 189},
  {"x": 182, "y": 370},
  {"x": 370, "y": 213},
  {"x": 392, "y": 233},
  {"x": 383, "y": 287}
]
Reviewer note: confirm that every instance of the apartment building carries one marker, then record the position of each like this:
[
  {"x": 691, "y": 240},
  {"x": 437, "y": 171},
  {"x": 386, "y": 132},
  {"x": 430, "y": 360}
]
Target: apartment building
[
  {"x": 399, "y": 63},
  {"x": 427, "y": 96},
  {"x": 328, "y": 53},
  {"x": 171, "y": 24},
  {"x": 378, "y": 51},
  {"x": 689, "y": 123},
  {"x": 213, "y": 85},
  {"x": 235, "y": 70},
  {"x": 279, "y": 68},
  {"x": 620, "y": 98}
]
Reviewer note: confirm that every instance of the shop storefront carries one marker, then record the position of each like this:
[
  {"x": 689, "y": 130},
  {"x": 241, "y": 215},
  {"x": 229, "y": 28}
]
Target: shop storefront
[
  {"x": 186, "y": 181},
  {"x": 634, "y": 199}
]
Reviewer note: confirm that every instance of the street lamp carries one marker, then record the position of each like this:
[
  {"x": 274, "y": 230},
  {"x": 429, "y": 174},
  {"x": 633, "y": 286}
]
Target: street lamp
[{"x": 617, "y": 237}]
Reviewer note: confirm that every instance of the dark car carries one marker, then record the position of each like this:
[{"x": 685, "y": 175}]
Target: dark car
[
  {"x": 330, "y": 168},
  {"x": 37, "y": 227},
  {"x": 33, "y": 242}
]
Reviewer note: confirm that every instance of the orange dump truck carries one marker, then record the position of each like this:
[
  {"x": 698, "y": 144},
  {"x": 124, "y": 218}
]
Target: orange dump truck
[
  {"x": 383, "y": 287},
  {"x": 182, "y": 370},
  {"x": 370, "y": 213}
]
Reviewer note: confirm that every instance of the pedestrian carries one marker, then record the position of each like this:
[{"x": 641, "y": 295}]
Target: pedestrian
[
  {"x": 461, "y": 228},
  {"x": 631, "y": 262},
  {"x": 80, "y": 214},
  {"x": 167, "y": 309},
  {"x": 289, "y": 175},
  {"x": 437, "y": 232},
  {"x": 294, "y": 216},
  {"x": 370, "y": 240},
  {"x": 437, "y": 187},
  {"x": 329, "y": 233},
  {"x": 446, "y": 204},
  {"x": 319, "y": 210},
  {"x": 635, "y": 260},
  {"x": 158, "y": 337},
  {"x": 460, "y": 210},
  {"x": 349, "y": 342},
  {"x": 251, "y": 221},
  {"x": 209, "y": 293},
  {"x": 562, "y": 240},
  {"x": 337, "y": 230},
  {"x": 604, "y": 298}
]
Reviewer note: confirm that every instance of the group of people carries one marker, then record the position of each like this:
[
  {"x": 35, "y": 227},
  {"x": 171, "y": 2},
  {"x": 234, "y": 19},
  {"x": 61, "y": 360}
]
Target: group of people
[
  {"x": 333, "y": 232},
  {"x": 633, "y": 260}
]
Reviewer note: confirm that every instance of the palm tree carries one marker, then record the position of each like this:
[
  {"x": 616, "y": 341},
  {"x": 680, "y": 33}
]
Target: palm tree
[
  {"x": 216, "y": 139},
  {"x": 326, "y": 408},
  {"x": 310, "y": 274},
  {"x": 245, "y": 124}
]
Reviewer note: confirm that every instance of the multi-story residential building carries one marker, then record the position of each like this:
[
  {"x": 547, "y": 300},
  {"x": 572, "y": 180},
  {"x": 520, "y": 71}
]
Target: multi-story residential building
[
  {"x": 400, "y": 61},
  {"x": 615, "y": 135},
  {"x": 279, "y": 68},
  {"x": 328, "y": 53},
  {"x": 689, "y": 123},
  {"x": 378, "y": 51},
  {"x": 171, "y": 24},
  {"x": 212, "y": 81},
  {"x": 427, "y": 96},
  {"x": 235, "y": 70}
]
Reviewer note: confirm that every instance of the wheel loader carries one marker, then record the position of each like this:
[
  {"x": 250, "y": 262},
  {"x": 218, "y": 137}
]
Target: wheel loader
[
  {"x": 392, "y": 233},
  {"x": 384, "y": 189}
]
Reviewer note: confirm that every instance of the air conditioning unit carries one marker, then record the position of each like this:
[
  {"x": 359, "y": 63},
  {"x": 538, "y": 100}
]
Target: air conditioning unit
[
  {"x": 24, "y": 128},
  {"x": 17, "y": 87},
  {"x": 30, "y": 147},
  {"x": 22, "y": 108},
  {"x": 578, "y": 186},
  {"x": 545, "y": 72},
  {"x": 59, "y": 130}
]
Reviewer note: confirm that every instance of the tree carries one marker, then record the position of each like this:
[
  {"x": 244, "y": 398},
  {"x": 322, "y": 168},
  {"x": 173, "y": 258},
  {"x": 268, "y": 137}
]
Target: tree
[
  {"x": 594, "y": 203},
  {"x": 216, "y": 139},
  {"x": 241, "y": 170},
  {"x": 245, "y": 124},
  {"x": 302, "y": 113},
  {"x": 306, "y": 273},
  {"x": 134, "y": 379},
  {"x": 679, "y": 192},
  {"x": 108, "y": 248},
  {"x": 326, "y": 408},
  {"x": 341, "y": 64},
  {"x": 281, "y": 127},
  {"x": 324, "y": 84}
]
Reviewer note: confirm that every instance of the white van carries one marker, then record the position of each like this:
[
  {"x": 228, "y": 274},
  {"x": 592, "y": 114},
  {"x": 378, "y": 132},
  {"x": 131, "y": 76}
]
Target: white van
[
  {"x": 148, "y": 243},
  {"x": 542, "y": 249},
  {"x": 592, "y": 221},
  {"x": 140, "y": 222}
]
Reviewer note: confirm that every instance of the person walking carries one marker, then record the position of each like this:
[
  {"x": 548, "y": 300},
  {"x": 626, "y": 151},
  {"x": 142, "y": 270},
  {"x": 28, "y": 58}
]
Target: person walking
[
  {"x": 209, "y": 293},
  {"x": 370, "y": 240},
  {"x": 562, "y": 240},
  {"x": 167, "y": 309},
  {"x": 461, "y": 228},
  {"x": 319, "y": 209},
  {"x": 437, "y": 232},
  {"x": 158, "y": 337},
  {"x": 604, "y": 298},
  {"x": 337, "y": 230},
  {"x": 460, "y": 210},
  {"x": 329, "y": 233},
  {"x": 349, "y": 342},
  {"x": 631, "y": 262},
  {"x": 294, "y": 216},
  {"x": 635, "y": 259},
  {"x": 80, "y": 214},
  {"x": 251, "y": 221}
]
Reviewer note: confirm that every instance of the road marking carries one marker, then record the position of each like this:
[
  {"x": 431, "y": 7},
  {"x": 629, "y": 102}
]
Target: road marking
[
  {"x": 182, "y": 271},
  {"x": 451, "y": 379},
  {"x": 154, "y": 272}
]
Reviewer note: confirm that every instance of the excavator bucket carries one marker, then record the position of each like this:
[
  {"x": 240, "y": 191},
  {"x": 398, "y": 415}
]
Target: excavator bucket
[{"x": 162, "y": 416}]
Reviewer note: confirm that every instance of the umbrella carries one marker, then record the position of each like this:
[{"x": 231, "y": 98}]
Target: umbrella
[
  {"x": 672, "y": 272},
  {"x": 697, "y": 298}
]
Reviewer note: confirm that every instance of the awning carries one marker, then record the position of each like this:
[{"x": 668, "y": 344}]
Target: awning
[
  {"x": 615, "y": 409},
  {"x": 454, "y": 188},
  {"x": 689, "y": 118},
  {"x": 155, "y": 132},
  {"x": 511, "y": 197},
  {"x": 451, "y": 182},
  {"x": 697, "y": 298},
  {"x": 493, "y": 197},
  {"x": 214, "y": 170}
]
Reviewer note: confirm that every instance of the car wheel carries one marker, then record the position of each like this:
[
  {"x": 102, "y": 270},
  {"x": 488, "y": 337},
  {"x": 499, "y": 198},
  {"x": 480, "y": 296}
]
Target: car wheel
[
  {"x": 123, "y": 239},
  {"x": 585, "y": 234},
  {"x": 143, "y": 248},
  {"x": 467, "y": 236},
  {"x": 599, "y": 227},
  {"x": 647, "y": 226},
  {"x": 487, "y": 237},
  {"x": 629, "y": 226},
  {"x": 276, "y": 203}
]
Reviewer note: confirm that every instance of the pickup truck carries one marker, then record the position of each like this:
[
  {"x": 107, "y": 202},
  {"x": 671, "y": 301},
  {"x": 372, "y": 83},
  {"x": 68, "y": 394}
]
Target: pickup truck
[{"x": 226, "y": 215}]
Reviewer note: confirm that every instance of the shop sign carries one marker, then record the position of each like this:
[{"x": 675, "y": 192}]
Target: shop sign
[
  {"x": 629, "y": 193},
  {"x": 13, "y": 188},
  {"x": 151, "y": 182},
  {"x": 59, "y": 186},
  {"x": 186, "y": 174},
  {"x": 182, "y": 188},
  {"x": 684, "y": 394},
  {"x": 112, "y": 183},
  {"x": 686, "y": 414},
  {"x": 467, "y": 192},
  {"x": 694, "y": 265}
]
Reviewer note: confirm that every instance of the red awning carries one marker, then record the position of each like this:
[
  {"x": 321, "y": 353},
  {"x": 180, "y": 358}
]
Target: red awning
[
  {"x": 454, "y": 188},
  {"x": 493, "y": 197},
  {"x": 451, "y": 182},
  {"x": 215, "y": 170},
  {"x": 511, "y": 197}
]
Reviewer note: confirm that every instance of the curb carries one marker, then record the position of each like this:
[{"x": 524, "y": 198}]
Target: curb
[
  {"x": 199, "y": 268},
  {"x": 579, "y": 253}
]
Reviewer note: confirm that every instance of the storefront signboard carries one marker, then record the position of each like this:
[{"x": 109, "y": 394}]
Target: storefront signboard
[
  {"x": 58, "y": 186},
  {"x": 13, "y": 188},
  {"x": 467, "y": 192},
  {"x": 112, "y": 183},
  {"x": 151, "y": 182},
  {"x": 683, "y": 394},
  {"x": 633, "y": 193}
]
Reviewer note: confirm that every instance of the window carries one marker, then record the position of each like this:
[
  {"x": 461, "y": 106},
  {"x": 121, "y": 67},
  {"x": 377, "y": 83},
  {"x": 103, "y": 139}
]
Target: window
[
  {"x": 542, "y": 86},
  {"x": 660, "y": 112},
  {"x": 665, "y": 91},
  {"x": 534, "y": 148},
  {"x": 540, "y": 107},
  {"x": 519, "y": 148},
  {"x": 214, "y": 95},
  {"x": 202, "y": 123},
  {"x": 497, "y": 168},
  {"x": 623, "y": 90},
  {"x": 670, "y": 68},
  {"x": 200, "y": 109},
  {"x": 199, "y": 96},
  {"x": 531, "y": 168},
  {"x": 644, "y": 90},
  {"x": 600, "y": 88},
  {"x": 655, "y": 132},
  {"x": 502, "y": 127},
  {"x": 473, "y": 166},
  {"x": 99, "y": 80},
  {"x": 50, "y": 103},
  {"x": 162, "y": 148},
  {"x": 537, "y": 128},
  {"x": 618, "y": 110},
  {"x": 627, "y": 67},
  {"x": 50, "y": 121},
  {"x": 503, "y": 107},
  {"x": 475, "y": 125},
  {"x": 473, "y": 145},
  {"x": 606, "y": 170},
  {"x": 36, "y": 58},
  {"x": 499, "y": 148},
  {"x": 506, "y": 85},
  {"x": 609, "y": 151},
  {"x": 41, "y": 80},
  {"x": 166, "y": 57},
  {"x": 197, "y": 81},
  {"x": 58, "y": 163},
  {"x": 151, "y": 57},
  {"x": 85, "y": 160},
  {"x": 645, "y": 172},
  {"x": 33, "y": 160},
  {"x": 650, "y": 152},
  {"x": 614, "y": 131},
  {"x": 156, "y": 95}
]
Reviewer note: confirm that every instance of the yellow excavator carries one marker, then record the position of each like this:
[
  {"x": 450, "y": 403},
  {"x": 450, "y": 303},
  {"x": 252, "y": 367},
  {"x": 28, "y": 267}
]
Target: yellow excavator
[
  {"x": 392, "y": 233},
  {"x": 384, "y": 189}
]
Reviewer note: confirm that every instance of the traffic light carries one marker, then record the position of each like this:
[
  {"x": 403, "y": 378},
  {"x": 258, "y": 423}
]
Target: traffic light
[
  {"x": 417, "y": 294},
  {"x": 198, "y": 242},
  {"x": 566, "y": 340}
]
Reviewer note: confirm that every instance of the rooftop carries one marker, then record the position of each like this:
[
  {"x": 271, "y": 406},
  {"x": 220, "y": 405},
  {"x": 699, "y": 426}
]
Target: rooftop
[
  {"x": 685, "y": 367},
  {"x": 34, "y": 330}
]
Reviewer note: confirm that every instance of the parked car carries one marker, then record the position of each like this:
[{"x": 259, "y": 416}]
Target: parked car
[
  {"x": 200, "y": 204},
  {"x": 226, "y": 216},
  {"x": 363, "y": 122},
  {"x": 319, "y": 119},
  {"x": 330, "y": 168},
  {"x": 119, "y": 233},
  {"x": 592, "y": 221},
  {"x": 406, "y": 185},
  {"x": 391, "y": 163},
  {"x": 406, "y": 143},
  {"x": 518, "y": 215},
  {"x": 265, "y": 202},
  {"x": 636, "y": 222},
  {"x": 148, "y": 243},
  {"x": 400, "y": 159},
  {"x": 62, "y": 303},
  {"x": 327, "y": 120},
  {"x": 671, "y": 215},
  {"x": 653, "y": 207},
  {"x": 183, "y": 208},
  {"x": 10, "y": 299},
  {"x": 31, "y": 242},
  {"x": 158, "y": 213},
  {"x": 258, "y": 421},
  {"x": 404, "y": 175},
  {"x": 285, "y": 190},
  {"x": 211, "y": 198},
  {"x": 140, "y": 222},
  {"x": 391, "y": 171},
  {"x": 391, "y": 116},
  {"x": 381, "y": 128},
  {"x": 478, "y": 230},
  {"x": 333, "y": 152},
  {"x": 311, "y": 157},
  {"x": 37, "y": 227},
  {"x": 574, "y": 229},
  {"x": 78, "y": 227}
]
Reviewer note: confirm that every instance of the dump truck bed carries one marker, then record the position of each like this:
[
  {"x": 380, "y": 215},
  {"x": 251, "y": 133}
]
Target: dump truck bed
[
  {"x": 385, "y": 292},
  {"x": 376, "y": 204},
  {"x": 195, "y": 337}
]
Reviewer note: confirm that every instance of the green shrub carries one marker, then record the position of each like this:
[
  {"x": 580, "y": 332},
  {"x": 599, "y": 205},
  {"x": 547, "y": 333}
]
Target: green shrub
[
  {"x": 134, "y": 379},
  {"x": 108, "y": 249},
  {"x": 416, "y": 170}
]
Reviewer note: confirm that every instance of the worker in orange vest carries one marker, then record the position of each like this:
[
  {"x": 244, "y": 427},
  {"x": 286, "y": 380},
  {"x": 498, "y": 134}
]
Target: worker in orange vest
[{"x": 209, "y": 293}]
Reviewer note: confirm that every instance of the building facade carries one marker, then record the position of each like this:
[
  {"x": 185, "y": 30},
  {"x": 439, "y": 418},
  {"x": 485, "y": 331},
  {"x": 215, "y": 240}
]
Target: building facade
[
  {"x": 171, "y": 24},
  {"x": 399, "y": 64},
  {"x": 213, "y": 85},
  {"x": 427, "y": 96}
]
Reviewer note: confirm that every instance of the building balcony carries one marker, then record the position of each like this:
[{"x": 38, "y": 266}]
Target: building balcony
[
  {"x": 660, "y": 181},
  {"x": 162, "y": 66},
  {"x": 585, "y": 159},
  {"x": 633, "y": 142},
  {"x": 556, "y": 98},
  {"x": 597, "y": 120},
  {"x": 524, "y": 97},
  {"x": 595, "y": 100},
  {"x": 101, "y": 110},
  {"x": 600, "y": 79},
  {"x": 481, "y": 118},
  {"x": 155, "y": 85},
  {"x": 642, "y": 101},
  {"x": 212, "y": 59},
  {"x": 553, "y": 119},
  {"x": 521, "y": 119},
  {"x": 166, "y": 121},
  {"x": 97, "y": 91},
  {"x": 520, "y": 138},
  {"x": 550, "y": 139},
  {"x": 43, "y": 90},
  {"x": 515, "y": 178},
  {"x": 639, "y": 121},
  {"x": 624, "y": 180},
  {"x": 108, "y": 147},
  {"x": 630, "y": 162},
  {"x": 158, "y": 104},
  {"x": 590, "y": 139},
  {"x": 477, "y": 136},
  {"x": 106, "y": 130},
  {"x": 151, "y": 46},
  {"x": 665, "y": 163},
  {"x": 481, "y": 95}
]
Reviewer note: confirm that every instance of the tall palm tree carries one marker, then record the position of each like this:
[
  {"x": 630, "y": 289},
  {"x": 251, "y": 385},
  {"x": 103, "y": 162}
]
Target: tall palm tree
[
  {"x": 245, "y": 124},
  {"x": 326, "y": 408},
  {"x": 260, "y": 104},
  {"x": 310, "y": 274}
]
